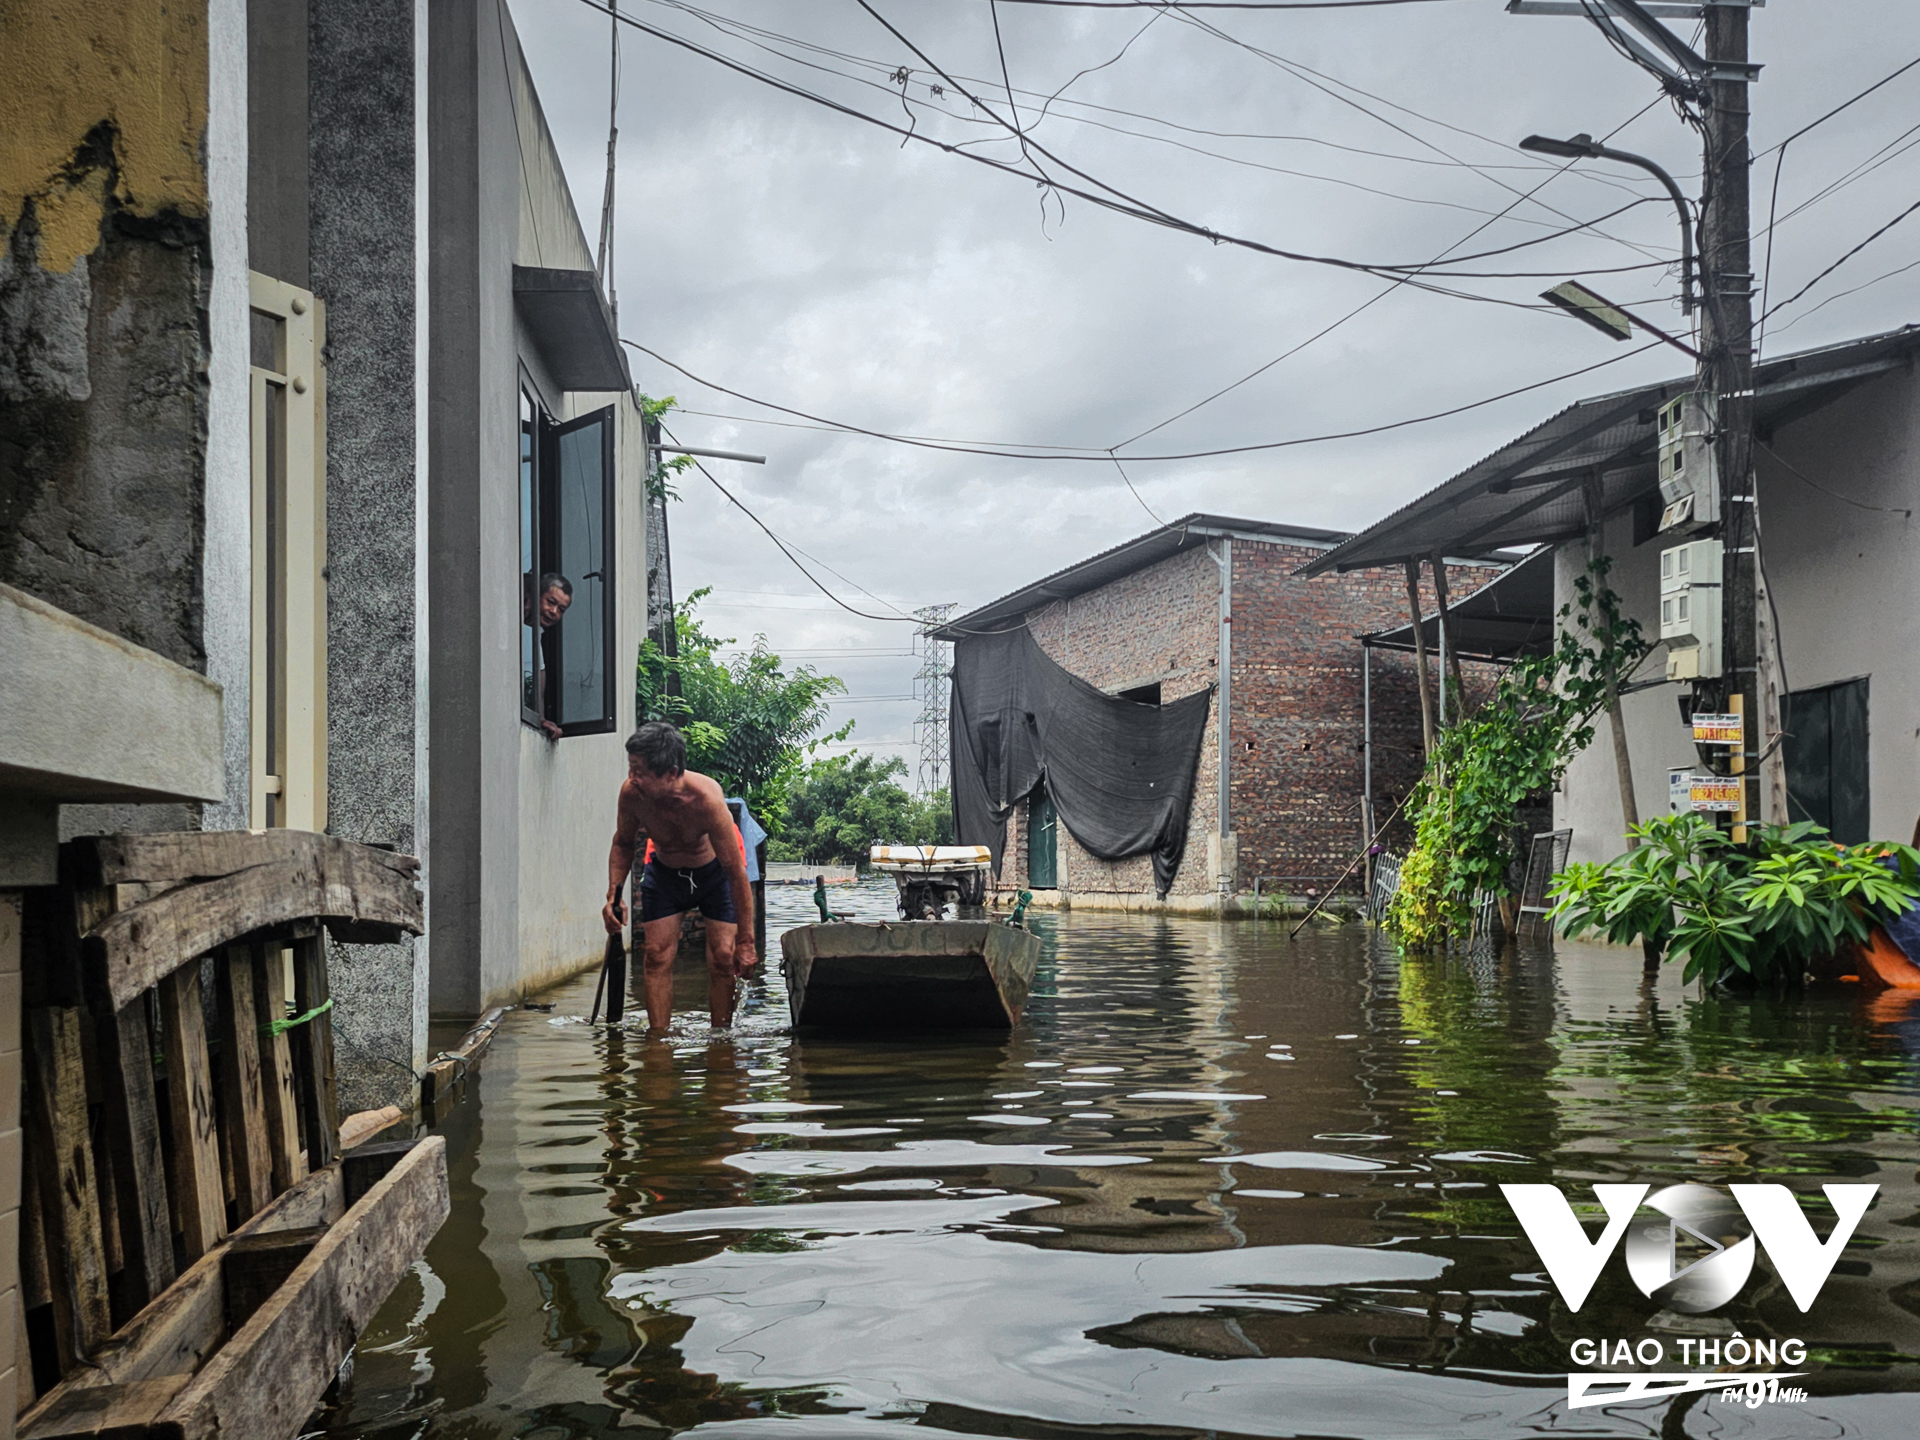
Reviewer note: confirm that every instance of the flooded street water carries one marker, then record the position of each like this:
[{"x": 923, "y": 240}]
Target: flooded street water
[{"x": 1216, "y": 1183}]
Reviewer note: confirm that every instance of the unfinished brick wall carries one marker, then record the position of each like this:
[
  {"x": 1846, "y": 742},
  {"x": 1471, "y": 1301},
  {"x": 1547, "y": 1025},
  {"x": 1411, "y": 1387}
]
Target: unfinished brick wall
[{"x": 1297, "y": 764}]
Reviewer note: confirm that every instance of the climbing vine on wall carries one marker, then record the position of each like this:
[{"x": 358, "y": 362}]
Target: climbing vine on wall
[
  {"x": 660, "y": 474},
  {"x": 1518, "y": 744}
]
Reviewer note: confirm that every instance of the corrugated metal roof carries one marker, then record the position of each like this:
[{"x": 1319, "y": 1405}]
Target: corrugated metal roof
[
  {"x": 1528, "y": 492},
  {"x": 1129, "y": 556},
  {"x": 1507, "y": 617}
]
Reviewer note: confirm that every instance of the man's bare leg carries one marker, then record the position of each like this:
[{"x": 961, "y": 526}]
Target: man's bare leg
[
  {"x": 720, "y": 986},
  {"x": 662, "y": 940}
]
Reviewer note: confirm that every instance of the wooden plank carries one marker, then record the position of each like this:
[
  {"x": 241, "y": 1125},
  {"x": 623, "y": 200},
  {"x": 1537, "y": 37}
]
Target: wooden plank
[
  {"x": 263, "y": 1383},
  {"x": 109, "y": 1412},
  {"x": 208, "y": 854},
  {"x": 132, "y": 1138},
  {"x": 439, "y": 1080},
  {"x": 313, "y": 1054},
  {"x": 36, "y": 1283},
  {"x": 133, "y": 949},
  {"x": 178, "y": 1331},
  {"x": 252, "y": 1267},
  {"x": 201, "y": 1203},
  {"x": 363, "y": 1125},
  {"x": 362, "y": 1169},
  {"x": 286, "y": 1160},
  {"x": 246, "y": 1105},
  {"x": 63, "y": 1167}
]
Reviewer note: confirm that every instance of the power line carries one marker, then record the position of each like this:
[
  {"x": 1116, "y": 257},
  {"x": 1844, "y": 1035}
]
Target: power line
[
  {"x": 1223, "y": 4},
  {"x": 864, "y": 615},
  {"x": 1117, "y": 201},
  {"x": 1104, "y": 457},
  {"x": 1846, "y": 257}
]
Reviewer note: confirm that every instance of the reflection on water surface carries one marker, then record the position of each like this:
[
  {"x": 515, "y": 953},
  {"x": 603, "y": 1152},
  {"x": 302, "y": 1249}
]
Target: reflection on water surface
[{"x": 1216, "y": 1184}]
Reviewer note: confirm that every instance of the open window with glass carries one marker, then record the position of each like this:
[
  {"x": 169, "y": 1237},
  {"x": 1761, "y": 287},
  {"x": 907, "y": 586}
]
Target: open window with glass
[{"x": 566, "y": 571}]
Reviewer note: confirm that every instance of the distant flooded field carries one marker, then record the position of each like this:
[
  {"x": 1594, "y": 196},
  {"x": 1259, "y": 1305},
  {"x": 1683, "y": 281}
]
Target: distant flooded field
[{"x": 1215, "y": 1184}]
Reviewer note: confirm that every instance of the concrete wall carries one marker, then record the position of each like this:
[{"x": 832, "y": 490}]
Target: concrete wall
[
  {"x": 1841, "y": 576},
  {"x": 358, "y": 134},
  {"x": 515, "y": 899}
]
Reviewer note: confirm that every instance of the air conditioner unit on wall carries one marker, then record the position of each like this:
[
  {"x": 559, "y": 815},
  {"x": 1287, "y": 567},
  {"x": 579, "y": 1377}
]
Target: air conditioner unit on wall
[
  {"x": 1689, "y": 469},
  {"x": 1690, "y": 609}
]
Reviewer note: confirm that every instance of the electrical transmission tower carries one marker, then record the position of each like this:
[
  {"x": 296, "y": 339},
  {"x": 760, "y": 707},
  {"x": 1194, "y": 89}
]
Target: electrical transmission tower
[{"x": 936, "y": 665}]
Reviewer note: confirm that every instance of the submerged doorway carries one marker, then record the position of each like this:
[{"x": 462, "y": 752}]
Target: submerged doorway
[
  {"x": 1043, "y": 855},
  {"x": 1826, "y": 753}
]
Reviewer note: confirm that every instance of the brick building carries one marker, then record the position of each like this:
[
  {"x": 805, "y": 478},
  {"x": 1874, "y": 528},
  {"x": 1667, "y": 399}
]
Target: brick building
[{"x": 1158, "y": 618}]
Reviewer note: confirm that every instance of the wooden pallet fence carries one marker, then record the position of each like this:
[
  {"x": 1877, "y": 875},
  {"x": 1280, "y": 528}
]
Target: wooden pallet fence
[{"x": 180, "y": 1101}]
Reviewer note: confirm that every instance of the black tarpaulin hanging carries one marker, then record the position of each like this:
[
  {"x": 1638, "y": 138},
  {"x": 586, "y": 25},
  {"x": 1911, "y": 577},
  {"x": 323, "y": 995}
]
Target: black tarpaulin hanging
[{"x": 1120, "y": 773}]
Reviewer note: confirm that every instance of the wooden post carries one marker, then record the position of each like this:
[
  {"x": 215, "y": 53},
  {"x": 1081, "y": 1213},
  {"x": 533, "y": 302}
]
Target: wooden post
[
  {"x": 1420, "y": 656},
  {"x": 124, "y": 1044},
  {"x": 1449, "y": 647},
  {"x": 63, "y": 1169},
  {"x": 313, "y": 1052},
  {"x": 1616, "y": 722},
  {"x": 287, "y": 1162},
  {"x": 199, "y": 1195},
  {"x": 246, "y": 1109}
]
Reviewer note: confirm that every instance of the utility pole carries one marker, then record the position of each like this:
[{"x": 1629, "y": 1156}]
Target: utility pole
[
  {"x": 1727, "y": 373},
  {"x": 1712, "y": 88}
]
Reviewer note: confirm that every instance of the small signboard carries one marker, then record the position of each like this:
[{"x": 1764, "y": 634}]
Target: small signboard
[
  {"x": 1718, "y": 729},
  {"x": 1688, "y": 791}
]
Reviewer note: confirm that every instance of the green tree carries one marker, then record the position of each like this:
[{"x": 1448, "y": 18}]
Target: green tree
[
  {"x": 1519, "y": 743},
  {"x": 749, "y": 723},
  {"x": 845, "y": 804}
]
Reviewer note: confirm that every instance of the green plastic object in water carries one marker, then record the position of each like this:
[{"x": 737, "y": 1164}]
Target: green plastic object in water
[
  {"x": 1019, "y": 917},
  {"x": 820, "y": 898}
]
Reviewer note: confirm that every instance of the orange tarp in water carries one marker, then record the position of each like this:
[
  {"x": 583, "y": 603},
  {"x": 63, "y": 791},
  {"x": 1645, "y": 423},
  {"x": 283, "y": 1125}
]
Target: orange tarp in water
[{"x": 1888, "y": 962}]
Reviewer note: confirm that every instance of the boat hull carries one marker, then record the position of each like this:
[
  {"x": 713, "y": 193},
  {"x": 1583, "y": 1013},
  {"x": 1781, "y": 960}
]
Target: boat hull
[{"x": 910, "y": 975}]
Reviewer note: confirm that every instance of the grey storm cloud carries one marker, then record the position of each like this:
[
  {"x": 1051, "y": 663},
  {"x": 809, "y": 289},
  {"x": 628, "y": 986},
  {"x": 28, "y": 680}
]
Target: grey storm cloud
[{"x": 795, "y": 254}]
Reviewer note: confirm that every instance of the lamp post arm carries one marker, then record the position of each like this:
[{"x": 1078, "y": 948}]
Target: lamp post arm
[{"x": 1627, "y": 157}]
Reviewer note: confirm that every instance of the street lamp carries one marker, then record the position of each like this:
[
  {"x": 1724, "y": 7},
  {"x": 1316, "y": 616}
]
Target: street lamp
[{"x": 1585, "y": 147}]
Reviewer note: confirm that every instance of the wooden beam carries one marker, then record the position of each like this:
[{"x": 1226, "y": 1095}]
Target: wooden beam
[
  {"x": 312, "y": 1049},
  {"x": 176, "y": 1333},
  {"x": 246, "y": 1107},
  {"x": 252, "y": 1267},
  {"x": 181, "y": 856},
  {"x": 1449, "y": 645},
  {"x": 107, "y": 1412},
  {"x": 138, "y": 946},
  {"x": 264, "y": 1382},
  {"x": 62, "y": 1165},
  {"x": 287, "y": 1160},
  {"x": 131, "y": 1110},
  {"x": 199, "y": 1197},
  {"x": 442, "y": 1077},
  {"x": 1420, "y": 657},
  {"x": 363, "y": 1125}
]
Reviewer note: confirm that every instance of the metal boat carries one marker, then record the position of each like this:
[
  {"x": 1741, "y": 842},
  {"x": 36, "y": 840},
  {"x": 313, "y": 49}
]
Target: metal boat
[{"x": 907, "y": 975}]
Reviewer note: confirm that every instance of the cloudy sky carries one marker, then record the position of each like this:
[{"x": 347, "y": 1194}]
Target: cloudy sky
[{"x": 801, "y": 256}]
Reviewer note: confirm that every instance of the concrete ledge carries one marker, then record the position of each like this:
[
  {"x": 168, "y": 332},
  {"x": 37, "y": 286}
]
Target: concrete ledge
[{"x": 86, "y": 716}]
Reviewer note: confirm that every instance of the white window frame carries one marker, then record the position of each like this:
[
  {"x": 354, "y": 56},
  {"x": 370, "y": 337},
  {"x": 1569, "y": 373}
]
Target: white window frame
[{"x": 288, "y": 766}]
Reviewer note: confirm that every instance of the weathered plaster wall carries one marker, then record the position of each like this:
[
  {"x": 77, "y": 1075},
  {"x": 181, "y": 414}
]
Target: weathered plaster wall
[
  {"x": 359, "y": 249},
  {"x": 103, "y": 344}
]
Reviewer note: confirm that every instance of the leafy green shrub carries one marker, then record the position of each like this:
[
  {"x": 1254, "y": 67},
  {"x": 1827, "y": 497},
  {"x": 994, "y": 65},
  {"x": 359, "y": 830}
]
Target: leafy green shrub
[
  {"x": 1486, "y": 764},
  {"x": 1788, "y": 897}
]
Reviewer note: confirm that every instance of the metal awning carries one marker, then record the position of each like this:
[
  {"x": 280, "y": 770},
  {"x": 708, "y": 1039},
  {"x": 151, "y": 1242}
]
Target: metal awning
[
  {"x": 1528, "y": 492},
  {"x": 572, "y": 327},
  {"x": 1506, "y": 618}
]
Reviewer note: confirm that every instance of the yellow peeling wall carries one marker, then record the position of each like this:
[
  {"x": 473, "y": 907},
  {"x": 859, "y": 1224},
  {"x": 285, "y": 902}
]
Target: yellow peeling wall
[{"x": 68, "y": 67}]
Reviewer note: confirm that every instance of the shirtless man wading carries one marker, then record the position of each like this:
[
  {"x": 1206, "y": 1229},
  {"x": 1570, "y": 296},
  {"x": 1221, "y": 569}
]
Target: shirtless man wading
[{"x": 697, "y": 861}]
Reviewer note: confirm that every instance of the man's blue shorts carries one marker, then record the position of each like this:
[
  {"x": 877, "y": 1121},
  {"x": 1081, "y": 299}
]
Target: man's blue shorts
[{"x": 667, "y": 891}]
